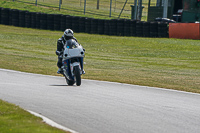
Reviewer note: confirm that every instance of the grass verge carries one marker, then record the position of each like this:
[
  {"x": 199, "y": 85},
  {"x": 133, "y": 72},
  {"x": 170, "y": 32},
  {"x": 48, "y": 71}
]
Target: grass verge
[{"x": 16, "y": 120}]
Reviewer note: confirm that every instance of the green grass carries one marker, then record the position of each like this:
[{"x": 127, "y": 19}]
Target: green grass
[
  {"x": 16, "y": 120},
  {"x": 76, "y": 7},
  {"x": 156, "y": 62}
]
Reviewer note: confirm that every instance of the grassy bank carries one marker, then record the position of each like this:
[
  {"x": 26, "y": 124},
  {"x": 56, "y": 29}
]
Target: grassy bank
[
  {"x": 76, "y": 8},
  {"x": 15, "y": 120},
  {"x": 71, "y": 7},
  {"x": 158, "y": 62}
]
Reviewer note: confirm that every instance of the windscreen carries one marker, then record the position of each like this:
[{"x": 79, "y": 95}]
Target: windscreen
[{"x": 71, "y": 44}]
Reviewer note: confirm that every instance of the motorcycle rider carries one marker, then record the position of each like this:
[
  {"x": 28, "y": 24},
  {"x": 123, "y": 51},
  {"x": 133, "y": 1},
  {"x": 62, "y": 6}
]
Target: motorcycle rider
[{"x": 68, "y": 34}]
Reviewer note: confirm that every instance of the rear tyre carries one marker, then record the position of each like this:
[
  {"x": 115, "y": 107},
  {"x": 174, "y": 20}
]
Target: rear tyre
[{"x": 77, "y": 75}]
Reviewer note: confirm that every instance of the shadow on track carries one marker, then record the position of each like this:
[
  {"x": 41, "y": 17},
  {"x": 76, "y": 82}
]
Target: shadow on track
[{"x": 58, "y": 85}]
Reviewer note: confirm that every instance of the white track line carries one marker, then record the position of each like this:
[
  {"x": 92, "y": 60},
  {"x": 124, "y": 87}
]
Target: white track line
[{"x": 51, "y": 123}]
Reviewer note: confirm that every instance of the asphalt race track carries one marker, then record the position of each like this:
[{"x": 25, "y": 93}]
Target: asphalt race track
[{"x": 103, "y": 107}]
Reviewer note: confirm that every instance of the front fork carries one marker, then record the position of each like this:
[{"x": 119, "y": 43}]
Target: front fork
[
  {"x": 68, "y": 67},
  {"x": 73, "y": 65},
  {"x": 81, "y": 63}
]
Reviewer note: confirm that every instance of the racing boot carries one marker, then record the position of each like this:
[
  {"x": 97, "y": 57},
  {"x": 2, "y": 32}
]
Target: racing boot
[
  {"x": 59, "y": 71},
  {"x": 83, "y": 72}
]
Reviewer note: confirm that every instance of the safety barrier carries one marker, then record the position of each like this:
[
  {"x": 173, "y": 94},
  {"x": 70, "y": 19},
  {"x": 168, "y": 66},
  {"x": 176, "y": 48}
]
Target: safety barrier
[
  {"x": 184, "y": 30},
  {"x": 59, "y": 22}
]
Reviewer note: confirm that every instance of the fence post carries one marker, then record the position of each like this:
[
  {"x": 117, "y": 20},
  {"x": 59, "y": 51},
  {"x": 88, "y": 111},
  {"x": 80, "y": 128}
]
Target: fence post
[
  {"x": 122, "y": 9},
  {"x": 165, "y": 7},
  {"x": 35, "y": 2},
  {"x": 135, "y": 10},
  {"x": 84, "y": 6},
  {"x": 97, "y": 4},
  {"x": 110, "y": 7},
  {"x": 139, "y": 10},
  {"x": 60, "y": 4}
]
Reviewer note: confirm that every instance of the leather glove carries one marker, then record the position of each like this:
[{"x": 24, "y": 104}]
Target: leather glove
[{"x": 59, "y": 53}]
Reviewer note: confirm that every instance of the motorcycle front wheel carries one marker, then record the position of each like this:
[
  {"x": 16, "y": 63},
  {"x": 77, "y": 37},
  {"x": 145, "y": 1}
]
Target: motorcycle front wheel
[
  {"x": 77, "y": 75},
  {"x": 69, "y": 82}
]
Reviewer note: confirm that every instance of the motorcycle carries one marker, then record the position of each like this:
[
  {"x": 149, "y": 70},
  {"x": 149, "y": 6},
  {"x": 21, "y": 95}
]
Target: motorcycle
[{"x": 72, "y": 61}]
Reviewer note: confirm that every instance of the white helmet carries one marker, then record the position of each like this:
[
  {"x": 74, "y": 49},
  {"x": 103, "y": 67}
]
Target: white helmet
[{"x": 68, "y": 33}]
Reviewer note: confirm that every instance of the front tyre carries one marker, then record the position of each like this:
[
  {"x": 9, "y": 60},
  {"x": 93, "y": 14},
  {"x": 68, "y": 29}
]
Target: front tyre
[
  {"x": 77, "y": 75},
  {"x": 69, "y": 82}
]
